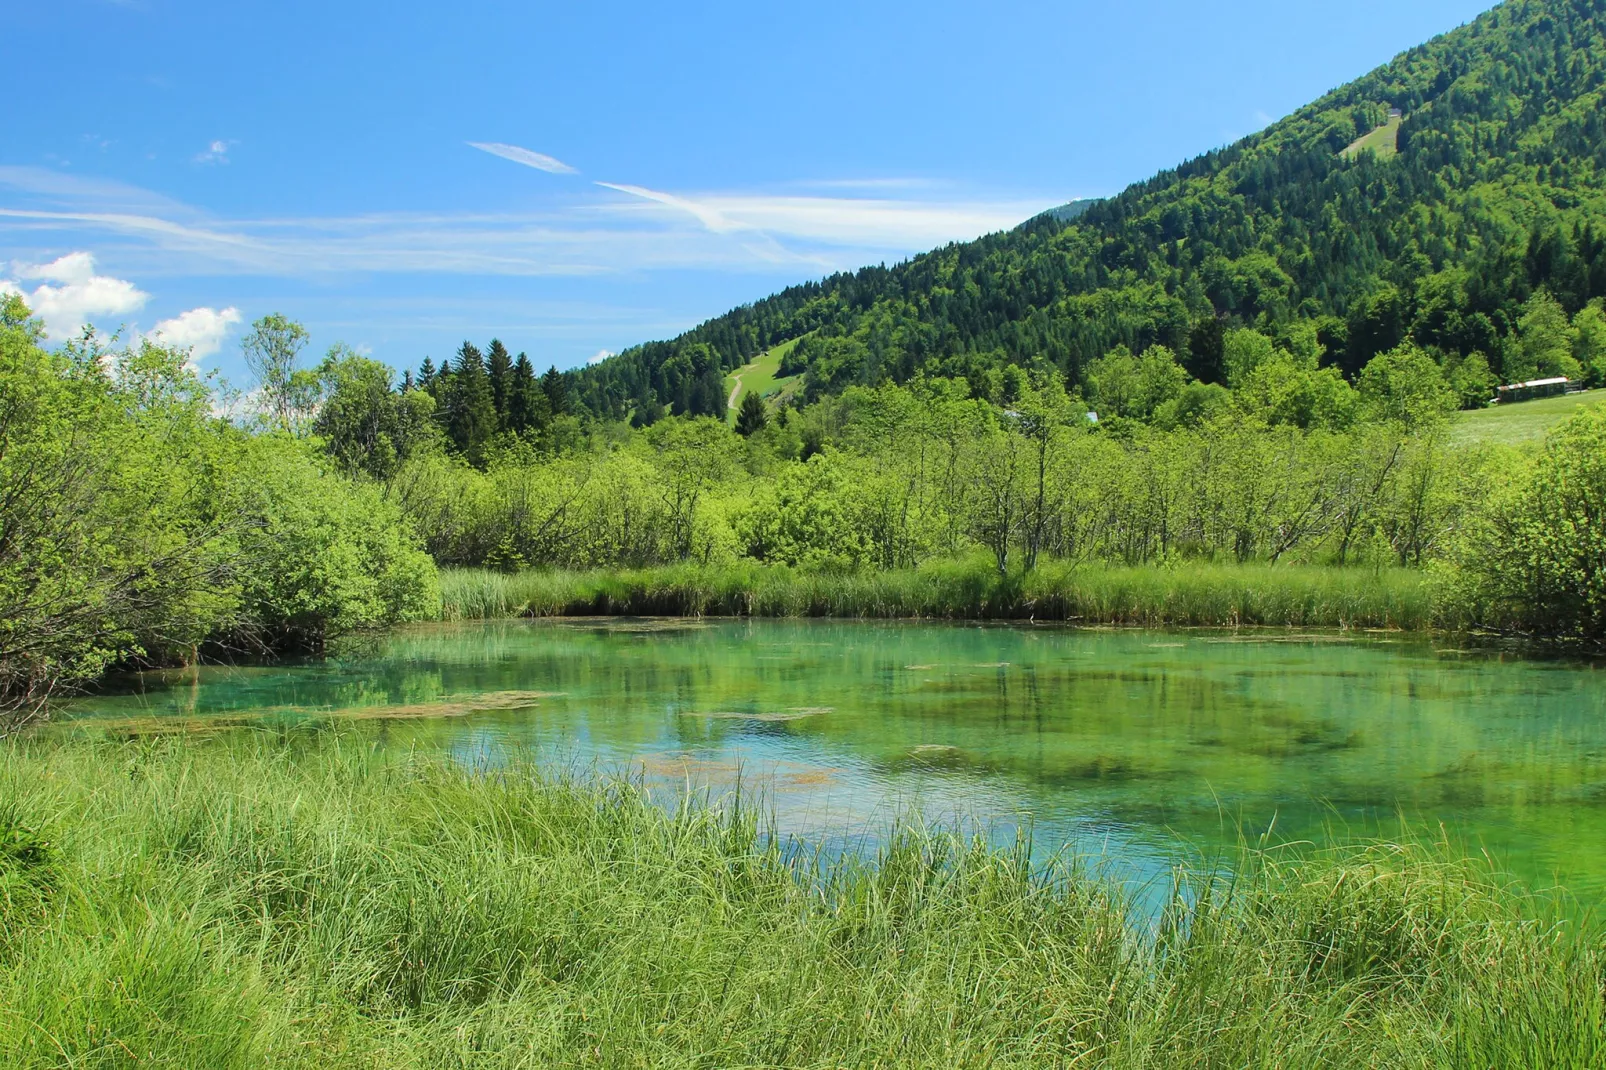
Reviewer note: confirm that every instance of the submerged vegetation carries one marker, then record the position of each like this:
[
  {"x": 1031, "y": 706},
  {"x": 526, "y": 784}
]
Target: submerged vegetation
[{"x": 311, "y": 902}]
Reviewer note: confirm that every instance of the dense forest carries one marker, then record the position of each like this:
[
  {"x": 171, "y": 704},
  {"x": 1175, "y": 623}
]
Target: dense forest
[{"x": 1497, "y": 191}]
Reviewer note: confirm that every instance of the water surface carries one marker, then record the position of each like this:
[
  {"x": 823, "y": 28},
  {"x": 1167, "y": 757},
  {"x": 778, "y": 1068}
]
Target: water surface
[{"x": 1134, "y": 745}]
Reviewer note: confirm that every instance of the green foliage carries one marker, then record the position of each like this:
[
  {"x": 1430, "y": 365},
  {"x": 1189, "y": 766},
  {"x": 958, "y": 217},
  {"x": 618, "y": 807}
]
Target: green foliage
[
  {"x": 1535, "y": 560},
  {"x": 1547, "y": 341},
  {"x": 317, "y": 556},
  {"x": 1494, "y": 194},
  {"x": 366, "y": 425},
  {"x": 1123, "y": 385},
  {"x": 322, "y": 903},
  {"x": 893, "y": 477},
  {"x": 752, "y": 417},
  {"x": 1473, "y": 382},
  {"x": 136, "y": 526},
  {"x": 468, "y": 407},
  {"x": 1589, "y": 345},
  {"x": 271, "y": 350},
  {"x": 1408, "y": 386}
]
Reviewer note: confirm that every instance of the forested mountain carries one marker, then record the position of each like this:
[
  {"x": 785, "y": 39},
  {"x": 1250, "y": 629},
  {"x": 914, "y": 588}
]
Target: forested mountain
[{"x": 1497, "y": 191}]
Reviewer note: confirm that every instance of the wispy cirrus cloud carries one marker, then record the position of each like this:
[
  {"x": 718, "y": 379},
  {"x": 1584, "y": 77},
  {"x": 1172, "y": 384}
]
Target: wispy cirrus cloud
[
  {"x": 582, "y": 231},
  {"x": 708, "y": 217},
  {"x": 538, "y": 160}
]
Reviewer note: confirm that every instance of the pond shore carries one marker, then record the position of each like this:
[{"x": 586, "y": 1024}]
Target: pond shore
[
  {"x": 309, "y": 901},
  {"x": 1187, "y": 595}
]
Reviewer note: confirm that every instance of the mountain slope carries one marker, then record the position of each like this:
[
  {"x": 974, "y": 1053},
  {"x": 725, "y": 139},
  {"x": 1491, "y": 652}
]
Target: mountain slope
[{"x": 1498, "y": 187}]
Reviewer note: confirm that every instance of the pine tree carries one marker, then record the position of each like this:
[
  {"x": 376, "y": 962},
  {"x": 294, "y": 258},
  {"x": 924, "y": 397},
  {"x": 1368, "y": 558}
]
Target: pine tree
[
  {"x": 646, "y": 409},
  {"x": 528, "y": 411},
  {"x": 556, "y": 391},
  {"x": 471, "y": 413},
  {"x": 752, "y": 417},
  {"x": 426, "y": 375},
  {"x": 499, "y": 367},
  {"x": 1207, "y": 351}
]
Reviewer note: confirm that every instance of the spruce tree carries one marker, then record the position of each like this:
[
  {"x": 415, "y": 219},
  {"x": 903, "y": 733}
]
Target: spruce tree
[
  {"x": 646, "y": 409},
  {"x": 556, "y": 391},
  {"x": 528, "y": 411},
  {"x": 1207, "y": 351},
  {"x": 471, "y": 415},
  {"x": 499, "y": 367},
  {"x": 426, "y": 375},
  {"x": 752, "y": 417}
]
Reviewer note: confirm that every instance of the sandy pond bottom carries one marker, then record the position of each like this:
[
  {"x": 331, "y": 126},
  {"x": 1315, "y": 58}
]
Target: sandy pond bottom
[{"x": 1133, "y": 746}]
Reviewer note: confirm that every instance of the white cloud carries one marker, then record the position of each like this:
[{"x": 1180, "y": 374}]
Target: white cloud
[
  {"x": 81, "y": 296},
  {"x": 581, "y": 232},
  {"x": 216, "y": 152},
  {"x": 708, "y": 217},
  {"x": 599, "y": 356},
  {"x": 200, "y": 330},
  {"x": 538, "y": 160}
]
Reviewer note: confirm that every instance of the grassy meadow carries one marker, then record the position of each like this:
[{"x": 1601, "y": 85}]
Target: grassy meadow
[
  {"x": 1384, "y": 140},
  {"x": 1520, "y": 423},
  {"x": 759, "y": 377},
  {"x": 311, "y": 902},
  {"x": 1201, "y": 595}
]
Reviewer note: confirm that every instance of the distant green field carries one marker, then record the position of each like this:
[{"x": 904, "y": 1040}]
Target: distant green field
[
  {"x": 1523, "y": 421},
  {"x": 1385, "y": 141},
  {"x": 759, "y": 376}
]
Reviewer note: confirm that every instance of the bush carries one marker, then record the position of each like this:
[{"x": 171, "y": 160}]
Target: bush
[
  {"x": 319, "y": 555},
  {"x": 1534, "y": 561},
  {"x": 135, "y": 524}
]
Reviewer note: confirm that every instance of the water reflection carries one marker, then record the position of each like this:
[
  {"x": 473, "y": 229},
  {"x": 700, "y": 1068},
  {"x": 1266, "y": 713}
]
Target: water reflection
[{"x": 1128, "y": 743}]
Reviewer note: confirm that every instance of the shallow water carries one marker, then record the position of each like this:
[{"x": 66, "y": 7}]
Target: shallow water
[{"x": 1137, "y": 746}]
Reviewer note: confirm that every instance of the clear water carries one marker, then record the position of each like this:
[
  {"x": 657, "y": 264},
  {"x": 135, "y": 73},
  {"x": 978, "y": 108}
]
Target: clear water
[{"x": 1136, "y": 746}]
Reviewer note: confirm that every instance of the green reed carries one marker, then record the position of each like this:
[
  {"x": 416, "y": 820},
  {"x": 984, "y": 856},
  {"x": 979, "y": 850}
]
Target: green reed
[
  {"x": 306, "y": 901},
  {"x": 1194, "y": 594}
]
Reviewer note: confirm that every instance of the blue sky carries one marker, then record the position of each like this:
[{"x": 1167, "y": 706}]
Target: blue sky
[{"x": 182, "y": 168}]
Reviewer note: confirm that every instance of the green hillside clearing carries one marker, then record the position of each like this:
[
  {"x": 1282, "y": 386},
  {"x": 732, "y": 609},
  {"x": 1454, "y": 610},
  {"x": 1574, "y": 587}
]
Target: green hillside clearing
[
  {"x": 1524, "y": 421},
  {"x": 759, "y": 376},
  {"x": 1384, "y": 141}
]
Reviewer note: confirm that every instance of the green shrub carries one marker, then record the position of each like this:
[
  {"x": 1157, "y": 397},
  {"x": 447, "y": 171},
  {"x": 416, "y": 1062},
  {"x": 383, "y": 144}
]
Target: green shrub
[{"x": 1534, "y": 560}]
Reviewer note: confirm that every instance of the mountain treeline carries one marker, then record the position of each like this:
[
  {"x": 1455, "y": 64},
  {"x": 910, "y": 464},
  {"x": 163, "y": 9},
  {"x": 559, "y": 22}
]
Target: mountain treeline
[{"x": 1497, "y": 192}]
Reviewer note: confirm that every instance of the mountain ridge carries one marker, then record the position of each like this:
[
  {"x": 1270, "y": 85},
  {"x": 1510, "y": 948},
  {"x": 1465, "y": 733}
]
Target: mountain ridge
[{"x": 1498, "y": 188}]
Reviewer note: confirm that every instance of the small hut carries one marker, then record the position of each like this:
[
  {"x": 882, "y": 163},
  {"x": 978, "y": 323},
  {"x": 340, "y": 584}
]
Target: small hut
[{"x": 1533, "y": 388}]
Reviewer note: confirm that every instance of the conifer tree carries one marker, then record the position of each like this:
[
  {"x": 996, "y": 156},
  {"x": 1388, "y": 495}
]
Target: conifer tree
[
  {"x": 1207, "y": 351},
  {"x": 752, "y": 417},
  {"x": 528, "y": 411},
  {"x": 499, "y": 368},
  {"x": 470, "y": 412},
  {"x": 556, "y": 390}
]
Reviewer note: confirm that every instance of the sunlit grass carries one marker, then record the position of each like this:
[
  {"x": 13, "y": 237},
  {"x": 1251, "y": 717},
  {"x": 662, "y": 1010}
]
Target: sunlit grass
[
  {"x": 310, "y": 902},
  {"x": 1522, "y": 421},
  {"x": 1186, "y": 595}
]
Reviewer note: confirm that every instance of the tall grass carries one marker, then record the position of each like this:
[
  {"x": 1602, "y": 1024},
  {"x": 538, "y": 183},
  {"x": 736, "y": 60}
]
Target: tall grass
[
  {"x": 1190, "y": 595},
  {"x": 312, "y": 903}
]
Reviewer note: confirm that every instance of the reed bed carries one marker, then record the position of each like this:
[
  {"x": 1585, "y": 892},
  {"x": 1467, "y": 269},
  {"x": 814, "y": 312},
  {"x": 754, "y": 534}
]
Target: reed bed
[
  {"x": 1202, "y": 595},
  {"x": 307, "y": 901}
]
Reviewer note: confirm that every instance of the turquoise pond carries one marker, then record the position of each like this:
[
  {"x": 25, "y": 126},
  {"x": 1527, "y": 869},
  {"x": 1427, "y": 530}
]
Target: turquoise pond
[{"x": 1137, "y": 747}]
